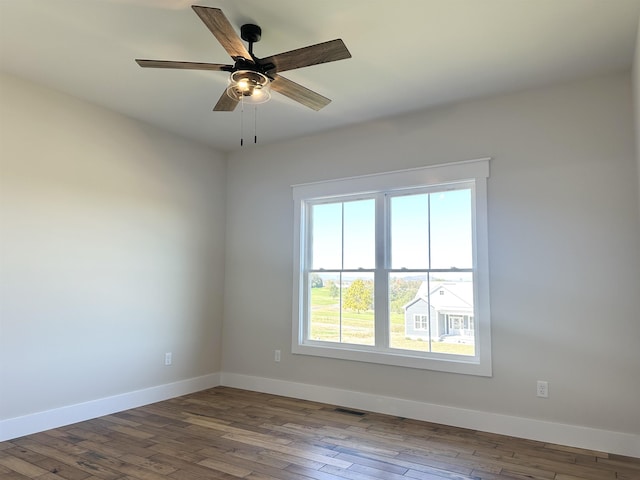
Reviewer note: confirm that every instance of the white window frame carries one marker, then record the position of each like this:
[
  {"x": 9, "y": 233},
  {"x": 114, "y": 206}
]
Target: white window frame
[{"x": 475, "y": 171}]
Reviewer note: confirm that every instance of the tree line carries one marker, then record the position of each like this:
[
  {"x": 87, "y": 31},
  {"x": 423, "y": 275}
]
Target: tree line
[{"x": 358, "y": 296}]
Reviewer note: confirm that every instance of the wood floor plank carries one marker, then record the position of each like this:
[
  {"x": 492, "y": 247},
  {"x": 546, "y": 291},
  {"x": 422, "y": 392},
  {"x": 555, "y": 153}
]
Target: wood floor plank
[
  {"x": 48, "y": 464},
  {"x": 75, "y": 460},
  {"x": 379, "y": 464},
  {"x": 22, "y": 467},
  {"x": 298, "y": 452},
  {"x": 186, "y": 468},
  {"x": 230, "y": 434}
]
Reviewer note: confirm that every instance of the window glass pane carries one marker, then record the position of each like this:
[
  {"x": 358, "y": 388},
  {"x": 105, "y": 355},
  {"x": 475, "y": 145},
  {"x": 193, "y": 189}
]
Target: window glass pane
[
  {"x": 410, "y": 231},
  {"x": 357, "y": 309},
  {"x": 326, "y": 236},
  {"x": 341, "y": 308},
  {"x": 408, "y": 313},
  {"x": 432, "y": 312},
  {"x": 451, "y": 238},
  {"x": 324, "y": 306},
  {"x": 359, "y": 234},
  {"x": 452, "y": 313}
]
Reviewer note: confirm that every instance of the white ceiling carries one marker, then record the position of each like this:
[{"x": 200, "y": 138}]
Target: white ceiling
[{"x": 407, "y": 55}]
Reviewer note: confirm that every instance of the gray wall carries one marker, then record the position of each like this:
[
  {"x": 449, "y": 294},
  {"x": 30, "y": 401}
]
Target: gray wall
[
  {"x": 111, "y": 253},
  {"x": 636, "y": 98},
  {"x": 564, "y": 239}
]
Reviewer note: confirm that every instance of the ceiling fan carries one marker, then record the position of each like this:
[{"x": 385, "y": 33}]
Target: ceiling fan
[{"x": 251, "y": 78}]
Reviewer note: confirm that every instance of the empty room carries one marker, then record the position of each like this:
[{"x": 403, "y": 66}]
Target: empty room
[{"x": 319, "y": 240}]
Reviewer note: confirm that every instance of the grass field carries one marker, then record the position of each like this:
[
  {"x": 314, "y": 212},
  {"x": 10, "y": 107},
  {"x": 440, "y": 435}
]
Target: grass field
[{"x": 358, "y": 328}]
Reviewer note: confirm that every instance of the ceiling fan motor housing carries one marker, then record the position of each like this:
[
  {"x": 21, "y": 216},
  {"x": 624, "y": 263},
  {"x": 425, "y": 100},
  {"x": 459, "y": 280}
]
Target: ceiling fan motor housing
[{"x": 250, "y": 33}]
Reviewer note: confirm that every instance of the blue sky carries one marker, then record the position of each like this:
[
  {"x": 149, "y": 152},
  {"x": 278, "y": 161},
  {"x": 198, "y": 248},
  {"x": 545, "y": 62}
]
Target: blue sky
[{"x": 450, "y": 235}]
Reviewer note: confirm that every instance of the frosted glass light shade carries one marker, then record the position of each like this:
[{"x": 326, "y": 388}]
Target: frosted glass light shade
[{"x": 249, "y": 87}]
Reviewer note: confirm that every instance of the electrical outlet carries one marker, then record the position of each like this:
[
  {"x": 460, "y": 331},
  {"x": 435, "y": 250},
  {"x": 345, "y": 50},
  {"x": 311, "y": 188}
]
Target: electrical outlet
[
  {"x": 168, "y": 360},
  {"x": 276, "y": 355},
  {"x": 542, "y": 389}
]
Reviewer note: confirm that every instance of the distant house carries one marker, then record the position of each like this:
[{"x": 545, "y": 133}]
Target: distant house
[{"x": 441, "y": 310}]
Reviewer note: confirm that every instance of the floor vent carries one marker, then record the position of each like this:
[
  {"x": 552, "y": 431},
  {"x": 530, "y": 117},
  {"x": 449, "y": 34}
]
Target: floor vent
[{"x": 350, "y": 412}]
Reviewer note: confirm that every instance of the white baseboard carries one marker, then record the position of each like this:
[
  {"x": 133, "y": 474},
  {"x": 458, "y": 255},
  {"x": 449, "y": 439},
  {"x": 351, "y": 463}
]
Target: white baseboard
[
  {"x": 58, "y": 417},
  {"x": 570, "y": 435}
]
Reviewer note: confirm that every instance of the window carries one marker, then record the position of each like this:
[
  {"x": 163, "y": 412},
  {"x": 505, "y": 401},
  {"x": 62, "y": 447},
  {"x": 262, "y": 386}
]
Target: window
[
  {"x": 392, "y": 268},
  {"x": 421, "y": 322}
]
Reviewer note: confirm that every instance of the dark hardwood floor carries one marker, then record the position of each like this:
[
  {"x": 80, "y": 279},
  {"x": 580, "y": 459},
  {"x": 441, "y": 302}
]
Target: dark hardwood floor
[{"x": 225, "y": 433}]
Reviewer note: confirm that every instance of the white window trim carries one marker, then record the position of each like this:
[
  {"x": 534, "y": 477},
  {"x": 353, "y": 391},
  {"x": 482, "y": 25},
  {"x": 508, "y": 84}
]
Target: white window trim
[{"x": 470, "y": 170}]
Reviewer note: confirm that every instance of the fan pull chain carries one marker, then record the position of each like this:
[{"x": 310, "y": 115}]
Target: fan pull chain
[
  {"x": 255, "y": 124},
  {"x": 241, "y": 120}
]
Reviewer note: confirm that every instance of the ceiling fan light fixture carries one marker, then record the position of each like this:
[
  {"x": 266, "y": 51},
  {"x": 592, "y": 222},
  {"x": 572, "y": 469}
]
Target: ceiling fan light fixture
[{"x": 249, "y": 87}]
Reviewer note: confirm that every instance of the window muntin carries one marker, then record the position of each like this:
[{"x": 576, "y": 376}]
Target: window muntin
[{"x": 441, "y": 209}]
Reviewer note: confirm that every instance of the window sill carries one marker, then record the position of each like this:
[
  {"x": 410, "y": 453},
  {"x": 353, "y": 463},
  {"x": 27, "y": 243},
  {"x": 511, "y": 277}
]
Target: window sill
[{"x": 441, "y": 363}]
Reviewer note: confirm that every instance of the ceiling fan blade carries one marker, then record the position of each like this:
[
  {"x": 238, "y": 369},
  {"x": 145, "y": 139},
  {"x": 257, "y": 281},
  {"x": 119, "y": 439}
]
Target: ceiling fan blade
[
  {"x": 225, "y": 103},
  {"x": 312, "y": 55},
  {"x": 300, "y": 94},
  {"x": 183, "y": 65},
  {"x": 215, "y": 21}
]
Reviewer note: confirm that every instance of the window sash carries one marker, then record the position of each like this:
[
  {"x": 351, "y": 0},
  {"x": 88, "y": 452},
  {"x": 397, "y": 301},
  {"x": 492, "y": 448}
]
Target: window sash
[{"x": 382, "y": 269}]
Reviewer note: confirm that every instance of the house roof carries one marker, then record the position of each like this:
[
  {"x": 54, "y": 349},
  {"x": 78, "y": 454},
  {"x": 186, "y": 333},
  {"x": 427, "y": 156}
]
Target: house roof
[{"x": 457, "y": 295}]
